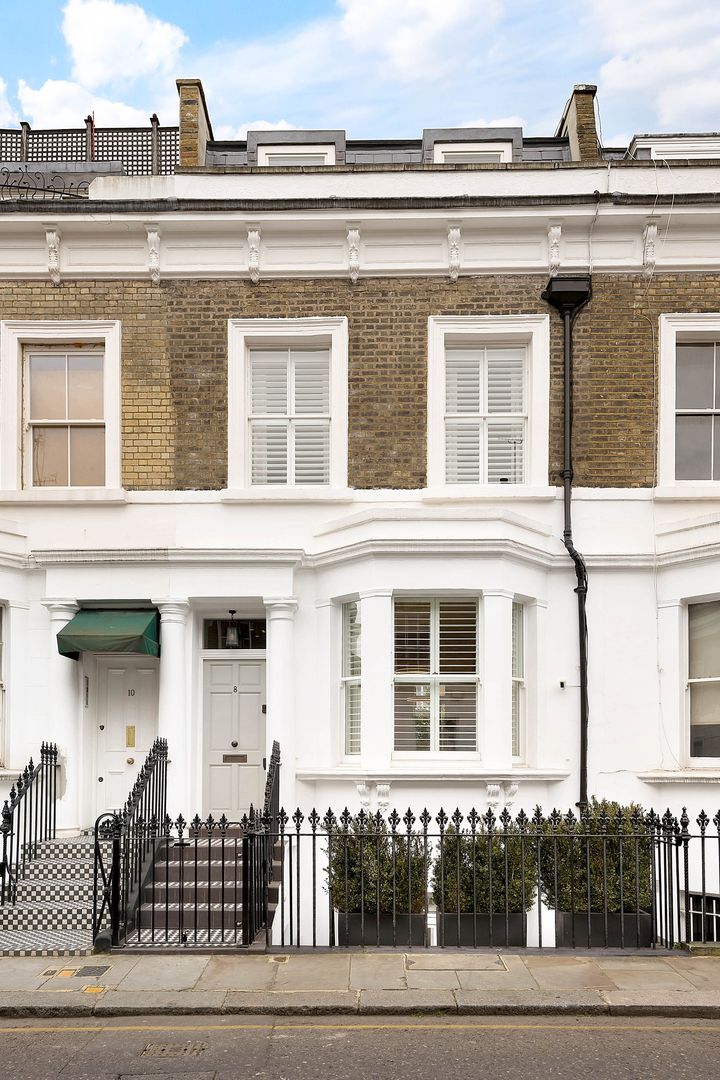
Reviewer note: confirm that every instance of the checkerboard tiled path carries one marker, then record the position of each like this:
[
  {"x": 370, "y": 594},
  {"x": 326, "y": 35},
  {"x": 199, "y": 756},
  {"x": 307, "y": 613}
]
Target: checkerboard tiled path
[{"x": 53, "y": 912}]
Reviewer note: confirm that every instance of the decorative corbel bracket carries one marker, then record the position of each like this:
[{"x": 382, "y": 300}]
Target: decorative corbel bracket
[
  {"x": 364, "y": 794},
  {"x": 383, "y": 796},
  {"x": 511, "y": 791},
  {"x": 53, "y": 239},
  {"x": 554, "y": 237},
  {"x": 493, "y": 794},
  {"x": 454, "y": 240},
  {"x": 153, "y": 242},
  {"x": 353, "y": 241},
  {"x": 253, "y": 235},
  {"x": 649, "y": 248}
]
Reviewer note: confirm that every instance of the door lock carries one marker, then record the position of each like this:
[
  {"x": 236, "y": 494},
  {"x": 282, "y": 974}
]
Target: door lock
[
  {"x": 102, "y": 727},
  {"x": 131, "y": 761},
  {"x": 100, "y": 779},
  {"x": 234, "y": 743}
]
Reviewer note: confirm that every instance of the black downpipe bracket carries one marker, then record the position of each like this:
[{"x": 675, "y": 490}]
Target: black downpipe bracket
[{"x": 569, "y": 295}]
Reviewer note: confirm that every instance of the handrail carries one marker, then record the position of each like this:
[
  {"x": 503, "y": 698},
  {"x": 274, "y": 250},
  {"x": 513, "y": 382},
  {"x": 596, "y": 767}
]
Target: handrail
[
  {"x": 271, "y": 802},
  {"x": 29, "y": 817},
  {"x": 116, "y": 883}
]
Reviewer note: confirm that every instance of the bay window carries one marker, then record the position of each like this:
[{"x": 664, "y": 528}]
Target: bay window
[
  {"x": 351, "y": 671},
  {"x": 704, "y": 679}
]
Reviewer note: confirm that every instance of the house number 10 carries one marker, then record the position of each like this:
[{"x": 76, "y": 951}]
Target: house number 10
[{"x": 131, "y": 693}]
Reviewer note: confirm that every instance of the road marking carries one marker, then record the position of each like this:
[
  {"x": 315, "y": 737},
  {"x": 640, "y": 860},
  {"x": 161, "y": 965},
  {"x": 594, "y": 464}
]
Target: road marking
[{"x": 106, "y": 1027}]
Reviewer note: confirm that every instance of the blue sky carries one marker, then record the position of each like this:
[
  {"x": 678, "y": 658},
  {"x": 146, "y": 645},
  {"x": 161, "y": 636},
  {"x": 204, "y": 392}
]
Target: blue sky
[{"x": 374, "y": 67}]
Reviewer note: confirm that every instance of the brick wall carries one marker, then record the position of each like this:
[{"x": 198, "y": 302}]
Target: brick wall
[{"x": 174, "y": 353}]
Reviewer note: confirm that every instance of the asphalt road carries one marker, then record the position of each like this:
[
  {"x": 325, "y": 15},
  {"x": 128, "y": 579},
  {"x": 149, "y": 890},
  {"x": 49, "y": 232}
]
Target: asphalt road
[{"x": 328, "y": 1048}]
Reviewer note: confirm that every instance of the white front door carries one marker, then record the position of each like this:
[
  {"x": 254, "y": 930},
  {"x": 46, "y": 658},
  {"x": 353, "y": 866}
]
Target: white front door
[
  {"x": 234, "y": 736},
  {"x": 127, "y": 712}
]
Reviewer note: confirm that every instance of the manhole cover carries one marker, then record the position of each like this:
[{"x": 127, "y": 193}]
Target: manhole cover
[
  {"x": 84, "y": 972},
  {"x": 189, "y": 1049}
]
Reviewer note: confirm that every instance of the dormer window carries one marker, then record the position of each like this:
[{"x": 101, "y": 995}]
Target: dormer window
[
  {"x": 471, "y": 153},
  {"x": 278, "y": 155}
]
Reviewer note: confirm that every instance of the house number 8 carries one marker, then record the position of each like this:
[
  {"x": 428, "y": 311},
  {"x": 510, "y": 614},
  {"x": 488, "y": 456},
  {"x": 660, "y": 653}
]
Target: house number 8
[
  {"x": 131, "y": 693},
  {"x": 234, "y": 689}
]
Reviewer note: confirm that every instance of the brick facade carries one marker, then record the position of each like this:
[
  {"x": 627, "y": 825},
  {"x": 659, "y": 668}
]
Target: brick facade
[{"x": 174, "y": 365}]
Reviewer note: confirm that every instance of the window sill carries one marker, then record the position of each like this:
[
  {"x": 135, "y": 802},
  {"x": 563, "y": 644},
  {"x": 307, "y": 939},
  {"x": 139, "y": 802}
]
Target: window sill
[
  {"x": 687, "y": 491},
  {"x": 435, "y": 772},
  {"x": 65, "y": 495},
  {"x": 487, "y": 492},
  {"x": 699, "y": 775},
  {"x": 287, "y": 494}
]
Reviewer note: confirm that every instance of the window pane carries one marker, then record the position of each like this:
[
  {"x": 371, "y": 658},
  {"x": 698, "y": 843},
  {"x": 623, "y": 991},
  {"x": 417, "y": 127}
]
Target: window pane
[
  {"x": 87, "y": 457},
  {"x": 352, "y": 718},
  {"x": 458, "y": 637},
  {"x": 462, "y": 452},
  {"x": 462, "y": 380},
  {"x": 458, "y": 716},
  {"x": 505, "y": 451},
  {"x": 412, "y": 716},
  {"x": 693, "y": 443},
  {"x": 704, "y": 639},
  {"x": 705, "y": 720},
  {"x": 505, "y": 380},
  {"x": 517, "y": 690},
  {"x": 50, "y": 456},
  {"x": 694, "y": 376},
  {"x": 269, "y": 452},
  {"x": 47, "y": 387},
  {"x": 312, "y": 381},
  {"x": 412, "y": 636},
  {"x": 85, "y": 386},
  {"x": 268, "y": 382},
  {"x": 351, "y": 640},
  {"x": 312, "y": 453}
]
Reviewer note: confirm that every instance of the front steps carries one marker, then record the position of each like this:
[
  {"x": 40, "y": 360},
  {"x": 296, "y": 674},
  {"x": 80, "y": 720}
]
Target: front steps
[{"x": 54, "y": 908}]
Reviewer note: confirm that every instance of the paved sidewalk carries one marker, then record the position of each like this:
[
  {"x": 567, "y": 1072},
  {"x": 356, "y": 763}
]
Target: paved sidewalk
[{"x": 371, "y": 982}]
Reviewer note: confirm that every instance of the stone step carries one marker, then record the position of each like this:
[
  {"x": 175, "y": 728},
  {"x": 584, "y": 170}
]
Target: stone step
[
  {"x": 60, "y": 869},
  {"x": 55, "y": 890},
  {"x": 46, "y": 917},
  {"x": 189, "y": 916},
  {"x": 66, "y": 849},
  {"x": 170, "y": 893}
]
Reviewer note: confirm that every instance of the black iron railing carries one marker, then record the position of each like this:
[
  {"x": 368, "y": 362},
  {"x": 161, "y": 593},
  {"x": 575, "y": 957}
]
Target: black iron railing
[
  {"x": 122, "y": 845},
  {"x": 28, "y": 818},
  {"x": 610, "y": 877}
]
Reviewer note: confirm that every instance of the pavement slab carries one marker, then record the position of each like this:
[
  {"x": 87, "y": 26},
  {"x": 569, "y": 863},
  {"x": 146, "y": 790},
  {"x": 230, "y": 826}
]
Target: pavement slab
[
  {"x": 454, "y": 961},
  {"x": 238, "y": 973},
  {"x": 380, "y": 971},
  {"x": 513, "y": 975},
  {"x": 151, "y": 1002},
  {"x": 574, "y": 975},
  {"x": 663, "y": 1003},
  {"x": 635, "y": 977},
  {"x": 293, "y": 1004},
  {"x": 529, "y": 1002},
  {"x": 305, "y": 973},
  {"x": 433, "y": 980},
  {"x": 165, "y": 973},
  {"x": 702, "y": 972}
]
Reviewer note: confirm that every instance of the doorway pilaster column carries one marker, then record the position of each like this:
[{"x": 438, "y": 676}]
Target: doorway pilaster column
[
  {"x": 63, "y": 718},
  {"x": 281, "y": 689},
  {"x": 174, "y": 695}
]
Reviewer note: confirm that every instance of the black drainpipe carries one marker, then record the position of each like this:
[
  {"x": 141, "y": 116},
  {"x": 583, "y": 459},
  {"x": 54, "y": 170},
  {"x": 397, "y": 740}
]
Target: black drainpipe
[{"x": 568, "y": 295}]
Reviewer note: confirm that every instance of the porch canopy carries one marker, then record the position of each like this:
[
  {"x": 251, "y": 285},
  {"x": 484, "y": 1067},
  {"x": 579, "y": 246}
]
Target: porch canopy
[{"x": 110, "y": 631}]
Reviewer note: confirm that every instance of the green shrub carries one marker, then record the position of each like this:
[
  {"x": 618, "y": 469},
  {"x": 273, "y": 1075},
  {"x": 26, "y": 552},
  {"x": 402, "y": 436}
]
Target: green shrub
[
  {"x": 368, "y": 865},
  {"x": 624, "y": 840},
  {"x": 485, "y": 860}
]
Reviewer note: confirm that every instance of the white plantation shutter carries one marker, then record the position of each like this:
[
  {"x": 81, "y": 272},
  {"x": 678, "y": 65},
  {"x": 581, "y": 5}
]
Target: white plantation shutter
[
  {"x": 436, "y": 657},
  {"x": 485, "y": 417},
  {"x": 290, "y": 416},
  {"x": 351, "y": 677},
  {"x": 518, "y": 673}
]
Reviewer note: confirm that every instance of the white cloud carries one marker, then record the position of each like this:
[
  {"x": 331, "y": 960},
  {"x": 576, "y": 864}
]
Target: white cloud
[
  {"x": 415, "y": 37},
  {"x": 7, "y": 113},
  {"x": 111, "y": 42},
  {"x": 227, "y": 131},
  {"x": 58, "y": 103},
  {"x": 665, "y": 58},
  {"x": 502, "y": 121}
]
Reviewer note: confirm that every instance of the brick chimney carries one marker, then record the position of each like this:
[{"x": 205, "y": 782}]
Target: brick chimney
[
  {"x": 578, "y": 124},
  {"x": 195, "y": 126}
]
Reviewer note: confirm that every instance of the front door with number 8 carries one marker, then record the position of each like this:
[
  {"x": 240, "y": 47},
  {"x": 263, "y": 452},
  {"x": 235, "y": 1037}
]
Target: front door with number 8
[{"x": 234, "y": 736}]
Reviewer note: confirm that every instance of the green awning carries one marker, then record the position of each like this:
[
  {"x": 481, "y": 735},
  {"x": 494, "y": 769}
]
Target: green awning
[{"x": 110, "y": 631}]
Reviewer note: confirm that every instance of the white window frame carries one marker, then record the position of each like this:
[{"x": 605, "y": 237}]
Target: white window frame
[
  {"x": 521, "y": 682},
  {"x": 533, "y": 331},
  {"x": 267, "y": 151},
  {"x": 690, "y": 761},
  {"x": 434, "y": 679},
  {"x": 245, "y": 334},
  {"x": 674, "y": 329},
  {"x": 440, "y": 149},
  {"x": 15, "y": 337},
  {"x": 4, "y": 622}
]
